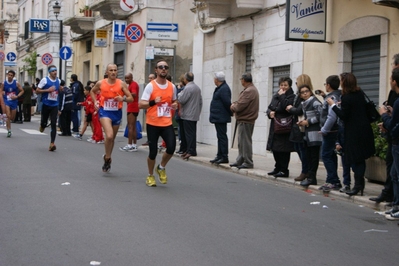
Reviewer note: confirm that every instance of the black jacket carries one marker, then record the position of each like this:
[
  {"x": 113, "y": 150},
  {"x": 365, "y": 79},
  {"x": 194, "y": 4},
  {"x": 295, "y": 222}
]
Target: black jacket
[
  {"x": 220, "y": 105},
  {"x": 278, "y": 104},
  {"x": 358, "y": 135},
  {"x": 65, "y": 100},
  {"x": 78, "y": 94}
]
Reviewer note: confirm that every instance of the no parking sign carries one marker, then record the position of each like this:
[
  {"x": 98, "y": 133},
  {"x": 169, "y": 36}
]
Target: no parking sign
[
  {"x": 47, "y": 59},
  {"x": 133, "y": 33}
]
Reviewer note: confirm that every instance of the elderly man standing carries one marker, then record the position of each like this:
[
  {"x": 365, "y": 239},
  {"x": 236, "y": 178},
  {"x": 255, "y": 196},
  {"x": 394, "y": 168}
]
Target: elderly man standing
[
  {"x": 219, "y": 115},
  {"x": 190, "y": 100},
  {"x": 246, "y": 110}
]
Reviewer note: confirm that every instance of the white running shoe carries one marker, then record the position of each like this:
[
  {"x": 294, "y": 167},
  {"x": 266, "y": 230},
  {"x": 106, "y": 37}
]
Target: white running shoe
[{"x": 127, "y": 148}]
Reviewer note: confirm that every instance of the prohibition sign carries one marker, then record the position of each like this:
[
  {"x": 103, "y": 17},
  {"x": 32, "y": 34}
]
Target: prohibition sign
[
  {"x": 47, "y": 59},
  {"x": 133, "y": 33},
  {"x": 2, "y": 56}
]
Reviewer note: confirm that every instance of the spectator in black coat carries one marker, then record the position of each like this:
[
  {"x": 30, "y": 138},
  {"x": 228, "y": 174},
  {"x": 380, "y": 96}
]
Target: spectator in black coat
[
  {"x": 65, "y": 101},
  {"x": 78, "y": 96},
  {"x": 358, "y": 135},
  {"x": 27, "y": 102},
  {"x": 279, "y": 144},
  {"x": 219, "y": 115}
]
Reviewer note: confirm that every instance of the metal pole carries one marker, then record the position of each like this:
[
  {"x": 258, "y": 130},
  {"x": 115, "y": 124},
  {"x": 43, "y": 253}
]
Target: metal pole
[
  {"x": 61, "y": 37},
  {"x": 174, "y": 64},
  {"x": 149, "y": 70}
]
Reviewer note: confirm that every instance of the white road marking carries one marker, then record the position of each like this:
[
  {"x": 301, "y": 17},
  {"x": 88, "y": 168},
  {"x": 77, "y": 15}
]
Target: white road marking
[{"x": 33, "y": 131}]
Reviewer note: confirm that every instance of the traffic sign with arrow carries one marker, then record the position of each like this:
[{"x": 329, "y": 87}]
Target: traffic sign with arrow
[
  {"x": 11, "y": 56},
  {"x": 65, "y": 53},
  {"x": 162, "y": 31}
]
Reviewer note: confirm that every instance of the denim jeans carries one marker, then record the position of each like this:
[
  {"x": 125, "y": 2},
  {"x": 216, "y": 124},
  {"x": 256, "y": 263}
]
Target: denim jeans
[
  {"x": 75, "y": 117},
  {"x": 346, "y": 172},
  {"x": 395, "y": 174},
  {"x": 39, "y": 103},
  {"x": 329, "y": 157},
  {"x": 301, "y": 150}
]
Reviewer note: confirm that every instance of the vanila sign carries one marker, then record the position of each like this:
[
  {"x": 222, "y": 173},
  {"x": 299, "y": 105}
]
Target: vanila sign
[{"x": 306, "y": 20}]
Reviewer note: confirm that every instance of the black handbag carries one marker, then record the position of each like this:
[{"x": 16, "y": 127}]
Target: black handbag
[
  {"x": 371, "y": 109},
  {"x": 282, "y": 125}
]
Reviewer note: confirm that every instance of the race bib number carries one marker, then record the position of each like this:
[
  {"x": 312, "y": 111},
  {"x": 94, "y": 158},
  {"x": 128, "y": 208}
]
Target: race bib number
[
  {"x": 164, "y": 110},
  {"x": 52, "y": 96},
  {"x": 10, "y": 95},
  {"x": 110, "y": 105}
]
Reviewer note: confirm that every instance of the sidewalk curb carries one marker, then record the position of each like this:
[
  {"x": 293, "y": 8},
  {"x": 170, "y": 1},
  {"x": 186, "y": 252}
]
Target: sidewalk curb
[{"x": 362, "y": 201}]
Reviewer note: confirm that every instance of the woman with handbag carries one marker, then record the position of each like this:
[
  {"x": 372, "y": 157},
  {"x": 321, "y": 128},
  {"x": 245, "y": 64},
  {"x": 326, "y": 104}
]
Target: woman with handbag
[
  {"x": 280, "y": 128},
  {"x": 358, "y": 135}
]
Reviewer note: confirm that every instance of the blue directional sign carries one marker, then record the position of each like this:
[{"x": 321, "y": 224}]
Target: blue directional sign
[
  {"x": 11, "y": 56},
  {"x": 119, "y": 27},
  {"x": 65, "y": 53},
  {"x": 39, "y": 25},
  {"x": 162, "y": 31},
  {"x": 157, "y": 26}
]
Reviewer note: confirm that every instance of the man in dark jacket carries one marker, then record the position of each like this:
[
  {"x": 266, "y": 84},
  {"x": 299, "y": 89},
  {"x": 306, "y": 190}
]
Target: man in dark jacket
[
  {"x": 78, "y": 96},
  {"x": 390, "y": 118},
  {"x": 220, "y": 114},
  {"x": 27, "y": 102},
  {"x": 329, "y": 129},
  {"x": 65, "y": 101},
  {"x": 387, "y": 191}
]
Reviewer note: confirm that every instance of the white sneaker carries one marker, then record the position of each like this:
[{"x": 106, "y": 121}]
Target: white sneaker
[
  {"x": 134, "y": 148},
  {"x": 126, "y": 148},
  {"x": 394, "y": 216},
  {"x": 89, "y": 139},
  {"x": 100, "y": 142}
]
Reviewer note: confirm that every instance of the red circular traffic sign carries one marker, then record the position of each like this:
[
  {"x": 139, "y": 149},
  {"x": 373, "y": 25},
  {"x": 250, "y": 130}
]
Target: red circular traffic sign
[
  {"x": 133, "y": 33},
  {"x": 47, "y": 59},
  {"x": 2, "y": 56}
]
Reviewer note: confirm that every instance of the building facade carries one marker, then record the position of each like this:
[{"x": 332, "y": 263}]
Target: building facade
[
  {"x": 42, "y": 48},
  {"x": 93, "y": 38},
  {"x": 237, "y": 36},
  {"x": 90, "y": 61},
  {"x": 8, "y": 36}
]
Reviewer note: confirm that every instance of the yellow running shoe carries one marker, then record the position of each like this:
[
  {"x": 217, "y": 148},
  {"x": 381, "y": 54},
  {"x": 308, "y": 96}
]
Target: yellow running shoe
[
  {"x": 150, "y": 181},
  {"x": 162, "y": 175}
]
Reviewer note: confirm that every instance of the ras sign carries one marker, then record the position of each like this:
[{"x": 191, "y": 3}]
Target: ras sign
[{"x": 39, "y": 25}]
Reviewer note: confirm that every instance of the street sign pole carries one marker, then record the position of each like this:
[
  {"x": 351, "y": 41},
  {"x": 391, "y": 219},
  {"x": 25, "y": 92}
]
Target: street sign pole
[{"x": 59, "y": 58}]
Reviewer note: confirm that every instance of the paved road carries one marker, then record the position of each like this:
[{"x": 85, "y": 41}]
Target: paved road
[{"x": 204, "y": 216}]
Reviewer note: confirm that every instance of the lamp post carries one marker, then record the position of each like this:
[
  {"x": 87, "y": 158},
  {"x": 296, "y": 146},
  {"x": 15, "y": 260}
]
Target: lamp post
[
  {"x": 6, "y": 36},
  {"x": 57, "y": 10}
]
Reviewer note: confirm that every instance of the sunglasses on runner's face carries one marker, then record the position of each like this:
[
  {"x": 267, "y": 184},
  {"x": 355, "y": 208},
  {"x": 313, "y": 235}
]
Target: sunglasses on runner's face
[{"x": 163, "y": 67}]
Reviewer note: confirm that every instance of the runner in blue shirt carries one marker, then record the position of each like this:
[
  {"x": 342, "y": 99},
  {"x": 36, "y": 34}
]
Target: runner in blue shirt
[
  {"x": 49, "y": 88},
  {"x": 11, "y": 91}
]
